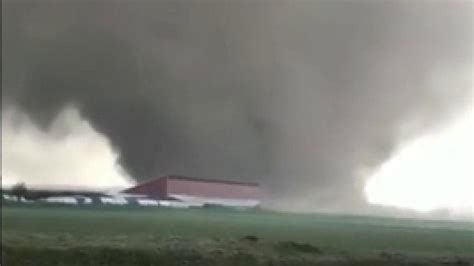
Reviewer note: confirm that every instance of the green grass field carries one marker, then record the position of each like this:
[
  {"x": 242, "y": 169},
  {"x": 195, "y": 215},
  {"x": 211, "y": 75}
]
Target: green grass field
[{"x": 39, "y": 235}]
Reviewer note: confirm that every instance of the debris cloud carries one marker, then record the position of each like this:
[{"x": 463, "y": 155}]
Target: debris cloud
[{"x": 306, "y": 98}]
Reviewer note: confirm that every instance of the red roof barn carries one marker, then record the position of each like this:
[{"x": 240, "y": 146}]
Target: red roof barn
[{"x": 200, "y": 191}]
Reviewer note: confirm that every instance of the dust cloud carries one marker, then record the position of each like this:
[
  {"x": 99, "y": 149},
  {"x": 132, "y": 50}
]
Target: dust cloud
[{"x": 305, "y": 97}]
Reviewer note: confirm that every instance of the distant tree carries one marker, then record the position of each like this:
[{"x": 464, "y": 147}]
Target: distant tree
[{"x": 19, "y": 190}]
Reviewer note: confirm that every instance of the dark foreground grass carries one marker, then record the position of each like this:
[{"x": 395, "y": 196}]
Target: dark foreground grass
[{"x": 38, "y": 235}]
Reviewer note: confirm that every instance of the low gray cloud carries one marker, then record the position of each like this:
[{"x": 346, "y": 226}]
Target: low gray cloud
[{"x": 301, "y": 96}]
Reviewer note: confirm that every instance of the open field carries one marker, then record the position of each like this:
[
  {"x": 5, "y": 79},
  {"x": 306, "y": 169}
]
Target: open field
[{"x": 38, "y": 235}]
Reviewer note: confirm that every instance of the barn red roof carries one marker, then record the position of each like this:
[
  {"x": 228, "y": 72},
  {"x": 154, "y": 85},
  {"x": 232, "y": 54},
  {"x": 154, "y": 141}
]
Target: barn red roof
[{"x": 166, "y": 185}]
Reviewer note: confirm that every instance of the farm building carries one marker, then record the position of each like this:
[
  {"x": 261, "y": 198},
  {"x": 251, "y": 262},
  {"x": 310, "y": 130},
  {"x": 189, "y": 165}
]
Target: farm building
[{"x": 198, "y": 192}]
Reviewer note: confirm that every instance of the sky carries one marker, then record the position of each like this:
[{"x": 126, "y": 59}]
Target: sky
[
  {"x": 69, "y": 155},
  {"x": 432, "y": 172},
  {"x": 320, "y": 102}
]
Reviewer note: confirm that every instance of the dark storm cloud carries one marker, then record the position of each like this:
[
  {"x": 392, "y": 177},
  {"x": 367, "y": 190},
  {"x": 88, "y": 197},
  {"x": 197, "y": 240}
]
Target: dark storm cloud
[{"x": 298, "y": 95}]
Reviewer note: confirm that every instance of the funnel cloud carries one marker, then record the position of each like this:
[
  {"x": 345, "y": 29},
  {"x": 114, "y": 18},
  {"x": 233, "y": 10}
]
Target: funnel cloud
[{"x": 305, "y": 97}]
